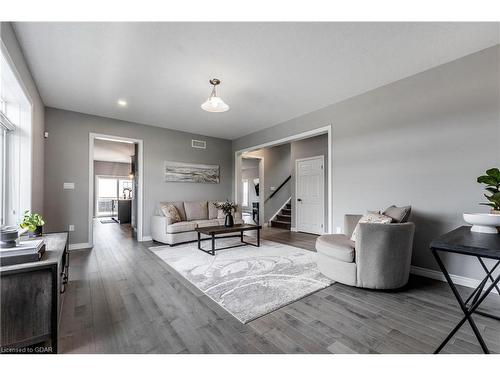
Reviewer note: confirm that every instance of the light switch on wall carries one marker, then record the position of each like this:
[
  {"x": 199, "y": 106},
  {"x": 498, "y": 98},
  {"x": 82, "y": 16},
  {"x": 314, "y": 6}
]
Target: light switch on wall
[
  {"x": 339, "y": 230},
  {"x": 71, "y": 228},
  {"x": 69, "y": 186}
]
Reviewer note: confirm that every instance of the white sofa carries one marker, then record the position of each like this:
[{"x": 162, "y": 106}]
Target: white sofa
[{"x": 193, "y": 215}]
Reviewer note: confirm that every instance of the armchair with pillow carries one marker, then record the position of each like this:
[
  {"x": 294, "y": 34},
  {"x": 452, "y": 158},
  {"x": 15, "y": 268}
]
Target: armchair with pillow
[{"x": 375, "y": 251}]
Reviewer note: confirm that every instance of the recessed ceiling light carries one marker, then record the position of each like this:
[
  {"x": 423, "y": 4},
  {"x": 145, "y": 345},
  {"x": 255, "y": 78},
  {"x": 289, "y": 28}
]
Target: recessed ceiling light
[{"x": 122, "y": 103}]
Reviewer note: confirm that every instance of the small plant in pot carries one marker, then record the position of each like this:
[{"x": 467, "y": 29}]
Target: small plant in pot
[
  {"x": 492, "y": 181},
  {"x": 33, "y": 223},
  {"x": 228, "y": 208}
]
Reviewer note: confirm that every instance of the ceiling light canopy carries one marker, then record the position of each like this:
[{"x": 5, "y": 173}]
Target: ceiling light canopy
[{"x": 214, "y": 103}]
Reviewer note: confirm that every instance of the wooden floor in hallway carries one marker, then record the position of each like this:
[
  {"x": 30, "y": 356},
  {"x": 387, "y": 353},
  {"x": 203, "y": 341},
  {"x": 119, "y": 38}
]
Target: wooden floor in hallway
[{"x": 121, "y": 298}]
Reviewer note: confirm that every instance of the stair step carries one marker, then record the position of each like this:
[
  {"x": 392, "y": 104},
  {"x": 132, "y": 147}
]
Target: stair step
[
  {"x": 286, "y": 211},
  {"x": 281, "y": 224},
  {"x": 289, "y": 206},
  {"x": 285, "y": 218}
]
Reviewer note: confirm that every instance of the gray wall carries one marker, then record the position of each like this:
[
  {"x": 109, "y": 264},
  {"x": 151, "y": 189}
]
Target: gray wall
[
  {"x": 422, "y": 141},
  {"x": 306, "y": 148},
  {"x": 66, "y": 160},
  {"x": 11, "y": 43},
  {"x": 276, "y": 170}
]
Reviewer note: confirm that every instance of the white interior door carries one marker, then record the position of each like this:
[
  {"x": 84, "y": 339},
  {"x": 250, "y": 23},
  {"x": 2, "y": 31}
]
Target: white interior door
[{"x": 309, "y": 194}]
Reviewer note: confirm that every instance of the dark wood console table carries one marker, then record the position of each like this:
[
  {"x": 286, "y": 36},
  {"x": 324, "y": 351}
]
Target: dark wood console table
[
  {"x": 31, "y": 298},
  {"x": 481, "y": 246}
]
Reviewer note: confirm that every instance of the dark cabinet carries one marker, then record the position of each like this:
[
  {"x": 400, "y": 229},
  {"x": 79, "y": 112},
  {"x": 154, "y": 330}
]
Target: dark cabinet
[{"x": 31, "y": 298}]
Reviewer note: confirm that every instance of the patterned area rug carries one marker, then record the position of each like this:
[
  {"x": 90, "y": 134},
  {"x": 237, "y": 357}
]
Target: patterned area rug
[{"x": 247, "y": 281}]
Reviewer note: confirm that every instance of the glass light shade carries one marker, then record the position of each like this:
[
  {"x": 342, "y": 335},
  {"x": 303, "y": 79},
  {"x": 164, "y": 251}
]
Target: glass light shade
[{"x": 215, "y": 104}]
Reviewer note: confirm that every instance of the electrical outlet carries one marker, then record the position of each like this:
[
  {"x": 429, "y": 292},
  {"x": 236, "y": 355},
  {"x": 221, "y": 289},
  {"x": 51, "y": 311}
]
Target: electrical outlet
[
  {"x": 71, "y": 228},
  {"x": 339, "y": 230}
]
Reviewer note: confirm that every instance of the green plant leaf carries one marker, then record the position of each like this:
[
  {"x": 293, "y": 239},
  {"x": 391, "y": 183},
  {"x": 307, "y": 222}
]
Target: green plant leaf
[
  {"x": 494, "y": 172},
  {"x": 488, "y": 180},
  {"x": 487, "y": 204}
]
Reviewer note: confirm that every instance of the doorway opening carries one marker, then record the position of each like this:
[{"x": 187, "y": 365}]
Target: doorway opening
[
  {"x": 295, "y": 182},
  {"x": 115, "y": 183},
  {"x": 252, "y": 178}
]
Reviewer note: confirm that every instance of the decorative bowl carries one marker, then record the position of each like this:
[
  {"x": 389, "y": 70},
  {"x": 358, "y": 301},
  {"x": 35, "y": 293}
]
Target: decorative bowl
[{"x": 483, "y": 223}]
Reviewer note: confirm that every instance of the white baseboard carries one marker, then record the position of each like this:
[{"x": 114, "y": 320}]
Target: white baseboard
[
  {"x": 145, "y": 238},
  {"x": 438, "y": 275},
  {"x": 78, "y": 246},
  {"x": 293, "y": 229}
]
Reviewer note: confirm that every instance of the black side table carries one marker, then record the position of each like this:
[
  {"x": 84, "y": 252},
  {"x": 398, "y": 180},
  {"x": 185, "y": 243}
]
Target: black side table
[{"x": 479, "y": 245}]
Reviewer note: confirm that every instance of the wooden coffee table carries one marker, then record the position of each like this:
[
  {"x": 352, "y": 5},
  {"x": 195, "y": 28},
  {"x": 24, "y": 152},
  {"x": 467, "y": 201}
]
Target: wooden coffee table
[{"x": 221, "y": 229}]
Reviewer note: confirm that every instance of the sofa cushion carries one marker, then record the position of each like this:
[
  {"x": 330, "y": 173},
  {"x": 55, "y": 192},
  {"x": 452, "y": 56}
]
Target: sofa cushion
[
  {"x": 212, "y": 210},
  {"x": 398, "y": 214},
  {"x": 371, "y": 218},
  {"x": 337, "y": 246},
  {"x": 179, "y": 206},
  {"x": 170, "y": 212},
  {"x": 181, "y": 226},
  {"x": 206, "y": 223},
  {"x": 196, "y": 210}
]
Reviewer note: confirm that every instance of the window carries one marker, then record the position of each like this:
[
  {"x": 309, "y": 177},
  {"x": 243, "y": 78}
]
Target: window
[
  {"x": 109, "y": 190},
  {"x": 15, "y": 145},
  {"x": 245, "y": 193}
]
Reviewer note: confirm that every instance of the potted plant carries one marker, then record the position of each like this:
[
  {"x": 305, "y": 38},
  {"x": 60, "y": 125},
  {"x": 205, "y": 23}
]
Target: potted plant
[
  {"x": 227, "y": 207},
  {"x": 33, "y": 223},
  {"x": 492, "y": 181}
]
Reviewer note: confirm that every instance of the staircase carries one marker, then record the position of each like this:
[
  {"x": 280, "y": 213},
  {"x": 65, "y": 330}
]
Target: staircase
[{"x": 284, "y": 218}]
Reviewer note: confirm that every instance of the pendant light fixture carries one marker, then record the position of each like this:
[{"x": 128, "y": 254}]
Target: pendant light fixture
[{"x": 214, "y": 103}]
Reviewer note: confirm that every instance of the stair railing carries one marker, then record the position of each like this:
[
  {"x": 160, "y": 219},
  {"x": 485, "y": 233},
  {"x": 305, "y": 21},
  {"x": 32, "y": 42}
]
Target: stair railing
[{"x": 279, "y": 188}]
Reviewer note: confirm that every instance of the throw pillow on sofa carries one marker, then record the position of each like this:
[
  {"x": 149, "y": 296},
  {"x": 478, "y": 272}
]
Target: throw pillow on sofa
[
  {"x": 398, "y": 214},
  {"x": 170, "y": 212},
  {"x": 371, "y": 218},
  {"x": 196, "y": 210}
]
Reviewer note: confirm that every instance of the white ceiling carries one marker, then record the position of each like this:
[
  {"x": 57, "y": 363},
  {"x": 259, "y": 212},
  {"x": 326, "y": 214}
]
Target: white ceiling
[
  {"x": 270, "y": 72},
  {"x": 119, "y": 152}
]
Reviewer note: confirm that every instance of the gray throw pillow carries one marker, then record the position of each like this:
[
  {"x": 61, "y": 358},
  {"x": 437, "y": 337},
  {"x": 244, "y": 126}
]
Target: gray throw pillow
[
  {"x": 196, "y": 210},
  {"x": 398, "y": 214}
]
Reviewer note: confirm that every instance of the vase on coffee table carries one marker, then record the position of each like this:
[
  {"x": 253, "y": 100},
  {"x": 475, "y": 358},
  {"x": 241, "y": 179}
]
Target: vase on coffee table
[{"x": 229, "y": 222}]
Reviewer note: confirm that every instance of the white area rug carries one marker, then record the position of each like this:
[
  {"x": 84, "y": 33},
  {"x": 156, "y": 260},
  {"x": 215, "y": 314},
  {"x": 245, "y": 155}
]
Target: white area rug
[{"x": 247, "y": 281}]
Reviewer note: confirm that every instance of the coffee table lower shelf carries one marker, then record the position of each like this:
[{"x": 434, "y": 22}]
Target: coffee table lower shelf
[{"x": 213, "y": 231}]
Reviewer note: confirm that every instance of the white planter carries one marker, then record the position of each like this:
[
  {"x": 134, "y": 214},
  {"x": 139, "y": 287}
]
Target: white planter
[{"x": 483, "y": 223}]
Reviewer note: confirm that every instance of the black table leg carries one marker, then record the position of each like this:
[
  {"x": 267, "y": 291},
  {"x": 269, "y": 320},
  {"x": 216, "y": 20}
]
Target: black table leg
[
  {"x": 213, "y": 244},
  {"x": 468, "y": 311},
  {"x": 258, "y": 237},
  {"x": 199, "y": 241}
]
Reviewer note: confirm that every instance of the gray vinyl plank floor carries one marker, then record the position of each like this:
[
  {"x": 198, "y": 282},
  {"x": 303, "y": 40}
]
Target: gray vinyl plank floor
[{"x": 122, "y": 299}]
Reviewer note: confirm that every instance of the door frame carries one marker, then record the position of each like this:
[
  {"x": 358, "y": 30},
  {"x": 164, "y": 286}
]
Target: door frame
[
  {"x": 139, "y": 196},
  {"x": 296, "y": 137},
  {"x": 297, "y": 161}
]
